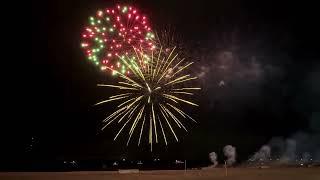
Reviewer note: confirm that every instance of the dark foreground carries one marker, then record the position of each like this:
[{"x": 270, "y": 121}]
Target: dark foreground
[{"x": 235, "y": 173}]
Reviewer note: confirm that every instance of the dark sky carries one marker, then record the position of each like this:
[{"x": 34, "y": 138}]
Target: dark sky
[{"x": 271, "y": 84}]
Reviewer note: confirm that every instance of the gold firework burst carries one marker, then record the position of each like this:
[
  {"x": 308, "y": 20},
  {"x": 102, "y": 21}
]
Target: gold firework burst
[{"x": 151, "y": 96}]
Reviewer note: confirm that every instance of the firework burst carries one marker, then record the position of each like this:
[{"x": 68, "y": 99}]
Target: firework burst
[
  {"x": 150, "y": 100},
  {"x": 112, "y": 32}
]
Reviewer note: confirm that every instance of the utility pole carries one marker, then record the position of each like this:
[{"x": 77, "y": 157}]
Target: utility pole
[{"x": 225, "y": 167}]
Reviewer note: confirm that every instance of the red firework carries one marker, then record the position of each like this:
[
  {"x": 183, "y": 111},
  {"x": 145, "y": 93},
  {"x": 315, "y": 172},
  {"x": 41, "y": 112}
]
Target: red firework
[{"x": 114, "y": 32}]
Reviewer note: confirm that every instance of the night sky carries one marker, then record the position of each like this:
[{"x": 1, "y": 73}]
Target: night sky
[{"x": 257, "y": 61}]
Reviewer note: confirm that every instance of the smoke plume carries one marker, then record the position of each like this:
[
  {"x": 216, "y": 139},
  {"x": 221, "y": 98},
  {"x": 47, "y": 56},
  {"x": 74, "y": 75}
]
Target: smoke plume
[
  {"x": 262, "y": 155},
  {"x": 213, "y": 158},
  {"x": 301, "y": 148},
  {"x": 230, "y": 152}
]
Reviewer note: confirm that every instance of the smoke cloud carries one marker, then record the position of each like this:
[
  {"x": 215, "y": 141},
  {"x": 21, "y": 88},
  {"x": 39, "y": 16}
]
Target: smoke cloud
[
  {"x": 262, "y": 155},
  {"x": 230, "y": 152},
  {"x": 301, "y": 148},
  {"x": 213, "y": 158}
]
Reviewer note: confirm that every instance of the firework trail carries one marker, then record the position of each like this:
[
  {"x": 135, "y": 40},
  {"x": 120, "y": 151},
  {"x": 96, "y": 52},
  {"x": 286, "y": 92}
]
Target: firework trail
[{"x": 167, "y": 37}]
